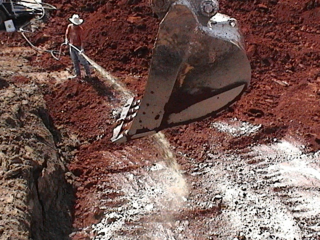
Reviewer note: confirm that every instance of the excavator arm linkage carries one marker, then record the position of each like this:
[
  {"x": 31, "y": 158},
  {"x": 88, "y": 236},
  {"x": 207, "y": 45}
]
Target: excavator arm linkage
[{"x": 198, "y": 68}]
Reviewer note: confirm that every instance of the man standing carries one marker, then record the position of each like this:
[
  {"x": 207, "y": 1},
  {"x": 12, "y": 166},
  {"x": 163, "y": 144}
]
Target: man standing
[{"x": 73, "y": 37}]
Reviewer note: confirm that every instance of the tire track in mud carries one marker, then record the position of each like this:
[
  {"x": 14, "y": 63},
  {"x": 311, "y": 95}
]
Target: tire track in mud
[
  {"x": 271, "y": 192},
  {"x": 294, "y": 177}
]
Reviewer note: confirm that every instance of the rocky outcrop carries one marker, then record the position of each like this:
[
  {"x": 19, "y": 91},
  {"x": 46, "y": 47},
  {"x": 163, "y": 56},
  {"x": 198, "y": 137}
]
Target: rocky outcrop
[{"x": 35, "y": 198}]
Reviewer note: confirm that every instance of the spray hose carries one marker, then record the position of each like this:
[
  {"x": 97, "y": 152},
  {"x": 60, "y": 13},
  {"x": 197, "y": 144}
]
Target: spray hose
[
  {"x": 54, "y": 53},
  {"x": 106, "y": 74},
  {"x": 82, "y": 54},
  {"x": 90, "y": 61}
]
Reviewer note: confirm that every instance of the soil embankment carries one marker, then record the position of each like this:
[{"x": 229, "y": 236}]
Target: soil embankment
[{"x": 35, "y": 198}]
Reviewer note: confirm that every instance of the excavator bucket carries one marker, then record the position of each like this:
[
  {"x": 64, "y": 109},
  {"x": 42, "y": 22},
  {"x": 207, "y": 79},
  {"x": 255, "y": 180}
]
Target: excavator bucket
[{"x": 198, "y": 68}]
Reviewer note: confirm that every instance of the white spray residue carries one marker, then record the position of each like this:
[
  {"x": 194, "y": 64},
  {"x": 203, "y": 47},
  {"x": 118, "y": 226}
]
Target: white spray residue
[
  {"x": 236, "y": 128},
  {"x": 275, "y": 198},
  {"x": 152, "y": 195}
]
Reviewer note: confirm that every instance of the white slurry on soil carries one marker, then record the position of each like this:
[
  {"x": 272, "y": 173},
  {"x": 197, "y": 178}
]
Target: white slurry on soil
[
  {"x": 236, "y": 128},
  {"x": 150, "y": 196},
  {"x": 272, "y": 192},
  {"x": 276, "y": 198}
]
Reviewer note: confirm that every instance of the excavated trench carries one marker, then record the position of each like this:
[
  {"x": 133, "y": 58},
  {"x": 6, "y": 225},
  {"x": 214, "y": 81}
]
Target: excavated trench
[{"x": 36, "y": 200}]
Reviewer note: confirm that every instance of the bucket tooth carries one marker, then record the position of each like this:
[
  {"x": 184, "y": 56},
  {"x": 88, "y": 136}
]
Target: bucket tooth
[
  {"x": 133, "y": 109},
  {"x": 136, "y": 102},
  {"x": 123, "y": 121}
]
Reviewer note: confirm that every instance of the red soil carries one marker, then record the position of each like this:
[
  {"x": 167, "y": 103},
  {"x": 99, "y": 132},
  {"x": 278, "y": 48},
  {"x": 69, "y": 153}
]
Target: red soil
[
  {"x": 282, "y": 40},
  {"x": 282, "y": 44}
]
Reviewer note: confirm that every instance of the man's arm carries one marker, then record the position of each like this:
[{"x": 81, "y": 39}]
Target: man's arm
[
  {"x": 80, "y": 37},
  {"x": 66, "y": 37}
]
